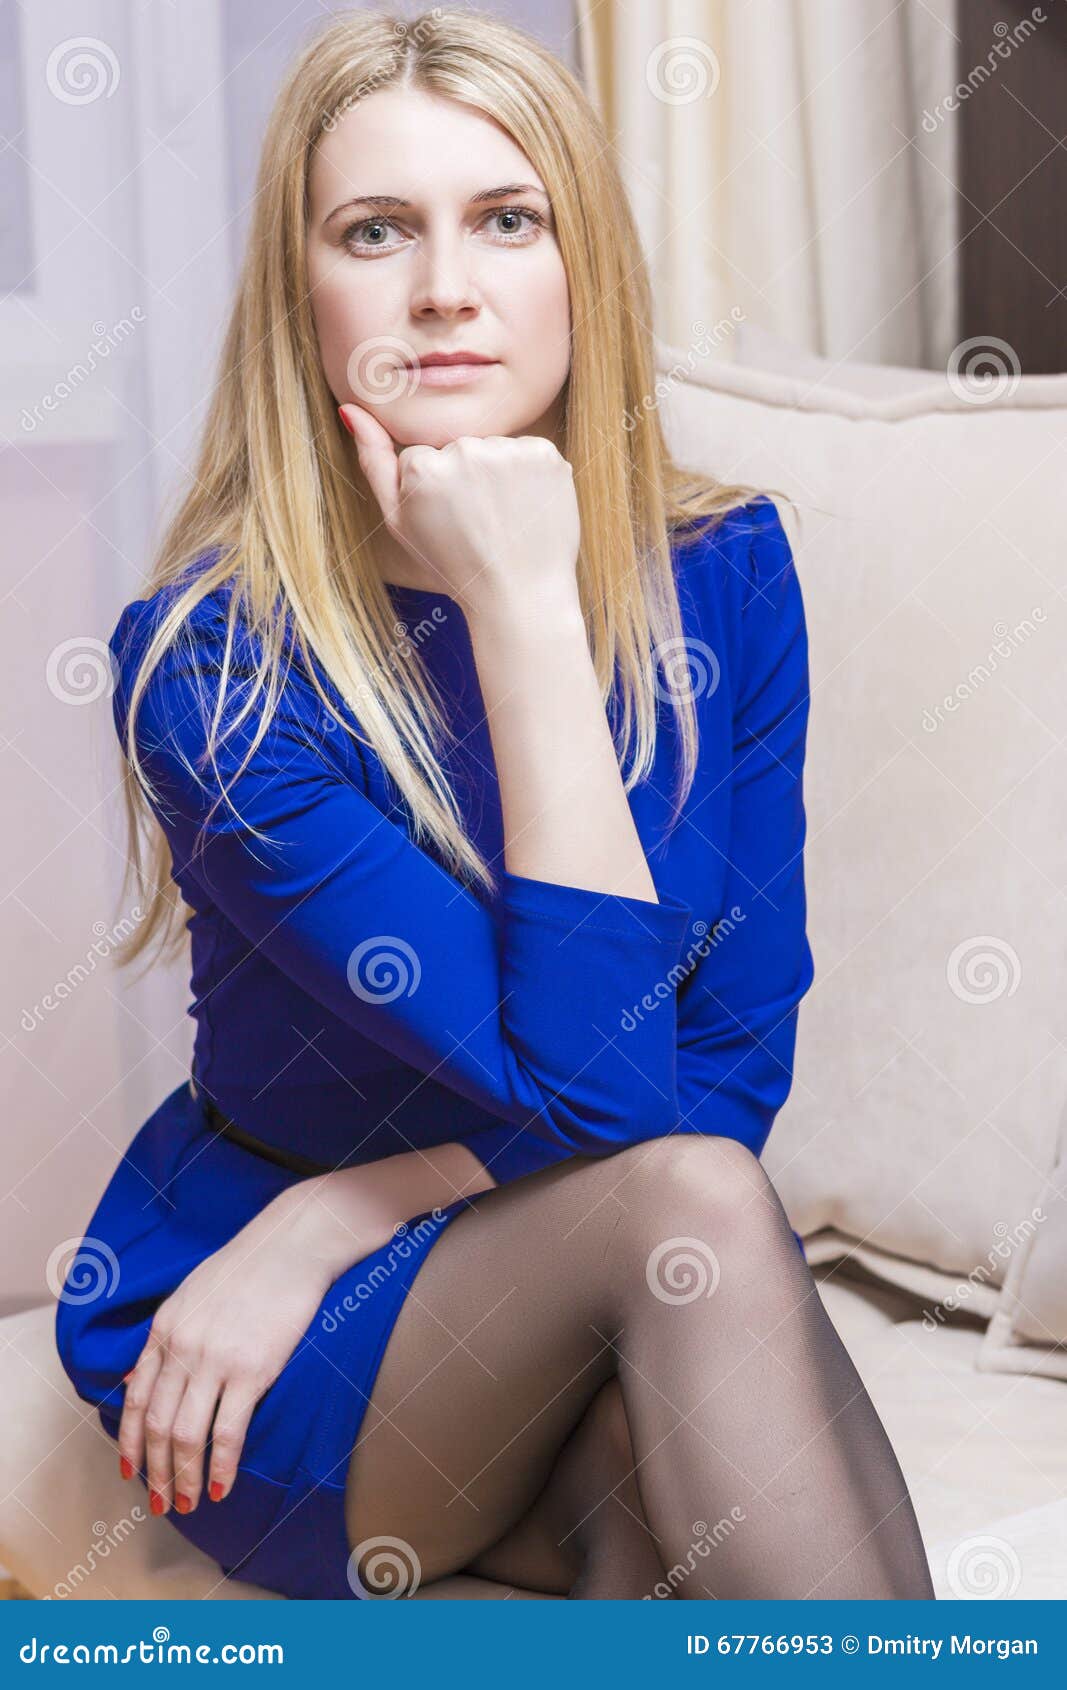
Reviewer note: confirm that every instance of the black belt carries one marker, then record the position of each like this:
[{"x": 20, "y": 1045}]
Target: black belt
[{"x": 290, "y": 1159}]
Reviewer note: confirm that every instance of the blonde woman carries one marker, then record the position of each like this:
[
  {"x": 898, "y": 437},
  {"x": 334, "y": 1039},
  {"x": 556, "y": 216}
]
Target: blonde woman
[{"x": 468, "y": 731}]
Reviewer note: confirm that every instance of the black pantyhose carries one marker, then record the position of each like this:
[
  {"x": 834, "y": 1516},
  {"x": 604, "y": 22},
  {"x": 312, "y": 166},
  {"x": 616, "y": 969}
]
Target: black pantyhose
[{"x": 760, "y": 1463}]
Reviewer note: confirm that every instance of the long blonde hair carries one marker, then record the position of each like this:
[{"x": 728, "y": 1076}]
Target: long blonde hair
[{"x": 277, "y": 494}]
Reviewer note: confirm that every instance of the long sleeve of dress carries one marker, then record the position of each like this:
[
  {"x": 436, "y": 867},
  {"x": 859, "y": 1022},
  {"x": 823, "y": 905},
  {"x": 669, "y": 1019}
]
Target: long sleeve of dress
[
  {"x": 516, "y": 1006},
  {"x": 737, "y": 1011}
]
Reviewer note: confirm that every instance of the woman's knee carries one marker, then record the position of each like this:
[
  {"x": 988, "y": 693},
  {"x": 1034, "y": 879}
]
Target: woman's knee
[
  {"x": 712, "y": 1166},
  {"x": 712, "y": 1187}
]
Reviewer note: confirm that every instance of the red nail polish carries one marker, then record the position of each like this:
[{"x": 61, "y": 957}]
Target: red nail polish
[
  {"x": 125, "y": 1467},
  {"x": 214, "y": 1490},
  {"x": 155, "y": 1502},
  {"x": 346, "y": 422},
  {"x": 182, "y": 1502}
]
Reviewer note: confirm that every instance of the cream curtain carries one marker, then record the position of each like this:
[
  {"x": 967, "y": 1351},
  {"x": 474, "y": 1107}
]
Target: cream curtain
[{"x": 789, "y": 167}]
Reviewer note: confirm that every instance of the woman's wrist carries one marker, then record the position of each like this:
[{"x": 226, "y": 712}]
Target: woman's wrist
[
  {"x": 501, "y": 612},
  {"x": 338, "y": 1218}
]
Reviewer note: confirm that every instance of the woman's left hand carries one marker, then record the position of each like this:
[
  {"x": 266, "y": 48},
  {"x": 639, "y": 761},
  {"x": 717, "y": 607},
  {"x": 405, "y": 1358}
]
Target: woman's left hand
[{"x": 217, "y": 1343}]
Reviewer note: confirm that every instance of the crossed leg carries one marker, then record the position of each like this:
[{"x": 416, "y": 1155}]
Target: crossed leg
[
  {"x": 586, "y": 1535},
  {"x": 760, "y": 1462}
]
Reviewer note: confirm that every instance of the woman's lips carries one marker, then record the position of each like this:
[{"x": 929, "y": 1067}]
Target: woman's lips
[{"x": 450, "y": 375}]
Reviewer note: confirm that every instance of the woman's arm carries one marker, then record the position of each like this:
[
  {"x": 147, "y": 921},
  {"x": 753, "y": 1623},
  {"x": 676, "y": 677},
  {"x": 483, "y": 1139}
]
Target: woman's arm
[
  {"x": 506, "y": 1004},
  {"x": 513, "y": 1005},
  {"x": 565, "y": 812},
  {"x": 337, "y": 1218},
  {"x": 737, "y": 1011},
  {"x": 496, "y": 521},
  {"x": 566, "y": 819},
  {"x": 222, "y": 1338}
]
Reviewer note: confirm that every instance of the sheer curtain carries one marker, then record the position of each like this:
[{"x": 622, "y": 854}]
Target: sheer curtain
[{"x": 789, "y": 168}]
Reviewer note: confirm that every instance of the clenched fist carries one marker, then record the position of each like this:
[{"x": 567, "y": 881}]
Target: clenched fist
[{"x": 492, "y": 518}]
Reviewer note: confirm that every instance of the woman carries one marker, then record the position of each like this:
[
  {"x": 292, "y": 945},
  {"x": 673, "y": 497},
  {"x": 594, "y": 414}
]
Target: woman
[{"x": 404, "y": 1273}]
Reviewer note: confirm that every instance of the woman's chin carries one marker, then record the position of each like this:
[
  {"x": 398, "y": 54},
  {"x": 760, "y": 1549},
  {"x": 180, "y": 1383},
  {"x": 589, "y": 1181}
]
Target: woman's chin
[{"x": 438, "y": 421}]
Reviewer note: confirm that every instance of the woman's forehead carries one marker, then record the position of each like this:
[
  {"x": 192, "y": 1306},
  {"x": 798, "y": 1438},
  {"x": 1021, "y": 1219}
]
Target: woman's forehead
[{"x": 417, "y": 147}]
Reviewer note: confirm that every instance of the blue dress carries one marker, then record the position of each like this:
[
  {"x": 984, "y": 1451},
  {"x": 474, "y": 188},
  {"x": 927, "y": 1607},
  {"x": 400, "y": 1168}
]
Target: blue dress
[{"x": 352, "y": 999}]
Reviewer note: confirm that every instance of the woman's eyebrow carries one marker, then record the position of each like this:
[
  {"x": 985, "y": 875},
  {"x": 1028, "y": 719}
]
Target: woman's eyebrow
[{"x": 391, "y": 202}]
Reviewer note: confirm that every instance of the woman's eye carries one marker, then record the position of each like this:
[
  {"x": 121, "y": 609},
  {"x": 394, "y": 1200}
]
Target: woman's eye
[
  {"x": 516, "y": 211},
  {"x": 506, "y": 237},
  {"x": 356, "y": 228}
]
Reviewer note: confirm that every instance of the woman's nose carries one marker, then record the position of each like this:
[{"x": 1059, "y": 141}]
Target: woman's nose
[{"x": 444, "y": 279}]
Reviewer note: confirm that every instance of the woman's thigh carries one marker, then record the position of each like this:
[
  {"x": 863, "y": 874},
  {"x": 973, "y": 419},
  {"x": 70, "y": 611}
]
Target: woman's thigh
[
  {"x": 464, "y": 1587},
  {"x": 588, "y": 1527},
  {"x": 502, "y": 1343}
]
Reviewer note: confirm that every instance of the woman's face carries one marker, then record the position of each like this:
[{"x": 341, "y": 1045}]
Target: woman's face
[{"x": 452, "y": 269}]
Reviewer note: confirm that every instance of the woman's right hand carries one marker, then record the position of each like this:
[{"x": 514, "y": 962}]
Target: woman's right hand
[
  {"x": 219, "y": 1341},
  {"x": 494, "y": 519}
]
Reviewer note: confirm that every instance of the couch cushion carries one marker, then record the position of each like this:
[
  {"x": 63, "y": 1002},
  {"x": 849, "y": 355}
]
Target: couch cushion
[
  {"x": 980, "y": 1451},
  {"x": 931, "y": 1066},
  {"x": 1028, "y": 1331},
  {"x": 985, "y": 1459},
  {"x": 759, "y": 349}
]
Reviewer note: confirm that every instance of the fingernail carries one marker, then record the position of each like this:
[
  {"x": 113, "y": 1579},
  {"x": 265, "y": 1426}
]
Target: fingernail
[
  {"x": 155, "y": 1502},
  {"x": 215, "y": 1489},
  {"x": 346, "y": 421},
  {"x": 125, "y": 1467},
  {"x": 182, "y": 1502}
]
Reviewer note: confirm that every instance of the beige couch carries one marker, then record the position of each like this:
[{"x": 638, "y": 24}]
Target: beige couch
[{"x": 921, "y": 1152}]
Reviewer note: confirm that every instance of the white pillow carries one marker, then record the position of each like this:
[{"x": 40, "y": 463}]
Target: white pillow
[{"x": 931, "y": 1065}]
